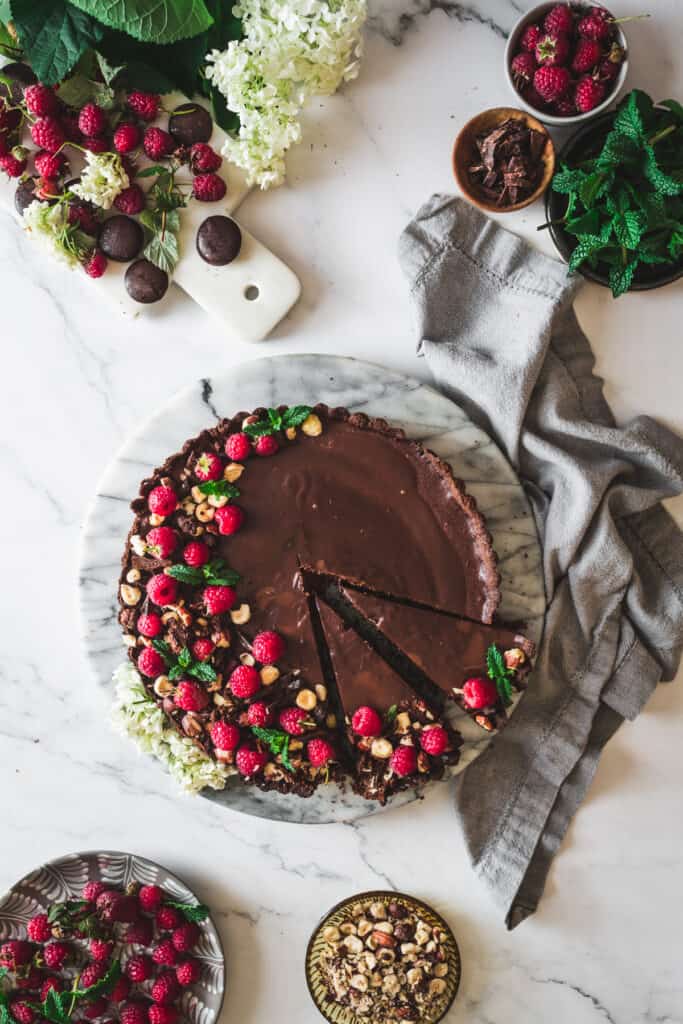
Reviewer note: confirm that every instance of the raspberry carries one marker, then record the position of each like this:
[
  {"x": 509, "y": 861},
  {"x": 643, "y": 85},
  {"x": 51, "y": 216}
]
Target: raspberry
[
  {"x": 40, "y": 100},
  {"x": 523, "y": 67},
  {"x": 53, "y": 983},
  {"x": 229, "y": 519},
  {"x": 114, "y": 907},
  {"x": 250, "y": 761},
  {"x": 38, "y": 928},
  {"x": 204, "y": 159},
  {"x": 366, "y": 722},
  {"x": 121, "y": 990},
  {"x": 552, "y": 50},
  {"x": 266, "y": 445},
  {"x": 225, "y": 736},
  {"x": 82, "y": 215},
  {"x": 55, "y": 955},
  {"x": 97, "y": 1008},
  {"x": 162, "y": 501},
  {"x": 268, "y": 647},
  {"x": 551, "y": 83},
  {"x": 202, "y": 648},
  {"x": 3, "y": 146},
  {"x": 608, "y": 69},
  {"x": 320, "y": 752},
  {"x": 130, "y": 201},
  {"x": 165, "y": 953},
  {"x": 161, "y": 1014},
  {"x": 161, "y": 541},
  {"x": 9, "y": 119},
  {"x": 22, "y": 1012},
  {"x": 92, "y": 890},
  {"x": 95, "y": 144},
  {"x": 479, "y": 693},
  {"x": 594, "y": 26},
  {"x": 186, "y": 937},
  {"x": 151, "y": 898},
  {"x": 15, "y": 953},
  {"x": 208, "y": 188},
  {"x": 139, "y": 968},
  {"x": 150, "y": 663},
  {"x": 12, "y": 165},
  {"x": 190, "y": 696},
  {"x": 144, "y": 104},
  {"x": 565, "y": 107},
  {"x": 92, "y": 120},
  {"x": 218, "y": 599},
  {"x": 403, "y": 761},
  {"x": 149, "y": 624},
  {"x": 134, "y": 1012},
  {"x": 157, "y": 143},
  {"x": 91, "y": 974},
  {"x": 244, "y": 681},
  {"x": 70, "y": 125},
  {"x": 208, "y": 467},
  {"x": 589, "y": 94},
  {"x": 238, "y": 447},
  {"x": 587, "y": 54},
  {"x": 530, "y": 37},
  {"x": 188, "y": 972},
  {"x": 259, "y": 714},
  {"x": 434, "y": 740},
  {"x": 126, "y": 137},
  {"x": 196, "y": 553},
  {"x": 139, "y": 933},
  {"x": 168, "y": 919},
  {"x": 48, "y": 165},
  {"x": 165, "y": 988},
  {"x": 100, "y": 949},
  {"x": 559, "y": 19},
  {"x": 47, "y": 133},
  {"x": 292, "y": 721},
  {"x": 96, "y": 264},
  {"x": 162, "y": 589},
  {"x": 29, "y": 981}
]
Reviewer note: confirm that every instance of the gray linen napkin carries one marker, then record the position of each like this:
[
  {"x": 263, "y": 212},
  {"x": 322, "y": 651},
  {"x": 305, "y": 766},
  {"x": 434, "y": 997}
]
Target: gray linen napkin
[{"x": 500, "y": 337}]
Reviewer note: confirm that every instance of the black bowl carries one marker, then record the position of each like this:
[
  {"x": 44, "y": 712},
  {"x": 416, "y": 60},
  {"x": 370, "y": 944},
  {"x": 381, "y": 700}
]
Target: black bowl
[{"x": 584, "y": 143}]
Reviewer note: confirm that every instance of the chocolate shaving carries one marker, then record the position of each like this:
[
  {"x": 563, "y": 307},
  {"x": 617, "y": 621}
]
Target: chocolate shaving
[{"x": 510, "y": 164}]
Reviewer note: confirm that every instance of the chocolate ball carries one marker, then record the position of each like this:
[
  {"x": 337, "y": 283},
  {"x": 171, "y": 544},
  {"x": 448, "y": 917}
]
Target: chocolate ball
[
  {"x": 23, "y": 197},
  {"x": 190, "y": 123},
  {"x": 219, "y": 240},
  {"x": 145, "y": 283},
  {"x": 20, "y": 75},
  {"x": 121, "y": 239}
]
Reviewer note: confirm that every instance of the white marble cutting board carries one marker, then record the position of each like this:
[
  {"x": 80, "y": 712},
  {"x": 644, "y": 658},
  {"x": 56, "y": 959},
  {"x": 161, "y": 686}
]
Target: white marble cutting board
[{"x": 422, "y": 412}]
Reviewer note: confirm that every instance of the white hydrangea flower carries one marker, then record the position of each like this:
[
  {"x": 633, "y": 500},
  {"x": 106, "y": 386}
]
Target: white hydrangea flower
[
  {"x": 139, "y": 717},
  {"x": 102, "y": 179},
  {"x": 51, "y": 224},
  {"x": 291, "y": 50}
]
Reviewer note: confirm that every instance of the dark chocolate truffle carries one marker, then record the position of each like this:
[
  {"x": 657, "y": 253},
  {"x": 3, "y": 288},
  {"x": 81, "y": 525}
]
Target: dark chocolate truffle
[
  {"x": 20, "y": 75},
  {"x": 219, "y": 240},
  {"x": 145, "y": 282},
  {"x": 23, "y": 197},
  {"x": 121, "y": 238},
  {"x": 190, "y": 123}
]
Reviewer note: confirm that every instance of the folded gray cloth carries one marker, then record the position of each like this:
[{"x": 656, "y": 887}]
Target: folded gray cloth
[{"x": 500, "y": 337}]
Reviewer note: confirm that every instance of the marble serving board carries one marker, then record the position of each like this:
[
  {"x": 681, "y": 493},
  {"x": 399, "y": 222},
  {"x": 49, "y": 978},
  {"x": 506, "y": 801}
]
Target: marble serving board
[
  {"x": 363, "y": 387},
  {"x": 248, "y": 297}
]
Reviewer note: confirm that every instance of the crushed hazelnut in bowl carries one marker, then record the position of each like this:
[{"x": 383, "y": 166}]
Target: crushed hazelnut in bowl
[{"x": 383, "y": 957}]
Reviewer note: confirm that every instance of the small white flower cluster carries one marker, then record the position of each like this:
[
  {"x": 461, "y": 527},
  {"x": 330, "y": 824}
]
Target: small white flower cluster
[
  {"x": 102, "y": 179},
  {"x": 50, "y": 222},
  {"x": 291, "y": 50},
  {"x": 138, "y": 717}
]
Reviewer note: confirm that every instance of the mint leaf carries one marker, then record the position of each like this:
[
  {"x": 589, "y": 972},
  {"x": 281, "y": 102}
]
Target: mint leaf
[
  {"x": 501, "y": 675},
  {"x": 163, "y": 251},
  {"x": 259, "y": 429},
  {"x": 55, "y": 1007},
  {"x": 220, "y": 488},
  {"x": 629, "y": 121},
  {"x": 151, "y": 21},
  {"x": 620, "y": 277},
  {"x": 675, "y": 107},
  {"x": 54, "y": 35},
  {"x": 664, "y": 185},
  {"x": 567, "y": 180},
  {"x": 295, "y": 416},
  {"x": 219, "y": 574},
  {"x": 185, "y": 658},
  {"x": 202, "y": 671},
  {"x": 195, "y": 912},
  {"x": 104, "y": 985},
  {"x": 629, "y": 227},
  {"x": 163, "y": 649},
  {"x": 391, "y": 714},
  {"x": 277, "y": 742},
  {"x": 586, "y": 246},
  {"x": 177, "y": 672},
  {"x": 186, "y": 574}
]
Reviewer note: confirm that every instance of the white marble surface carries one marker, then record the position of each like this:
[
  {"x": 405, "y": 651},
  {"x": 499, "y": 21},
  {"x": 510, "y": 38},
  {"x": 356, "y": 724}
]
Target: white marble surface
[{"x": 605, "y": 945}]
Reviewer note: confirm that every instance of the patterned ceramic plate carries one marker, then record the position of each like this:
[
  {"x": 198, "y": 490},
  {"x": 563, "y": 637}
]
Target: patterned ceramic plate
[
  {"x": 337, "y": 1014},
  {"x": 64, "y": 879}
]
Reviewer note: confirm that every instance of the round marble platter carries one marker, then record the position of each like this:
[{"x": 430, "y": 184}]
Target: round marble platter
[
  {"x": 421, "y": 411},
  {"x": 64, "y": 878}
]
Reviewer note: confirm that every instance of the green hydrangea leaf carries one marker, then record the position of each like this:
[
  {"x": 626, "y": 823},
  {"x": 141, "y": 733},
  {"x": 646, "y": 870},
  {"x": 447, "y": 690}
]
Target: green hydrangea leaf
[
  {"x": 151, "y": 21},
  {"x": 54, "y": 35}
]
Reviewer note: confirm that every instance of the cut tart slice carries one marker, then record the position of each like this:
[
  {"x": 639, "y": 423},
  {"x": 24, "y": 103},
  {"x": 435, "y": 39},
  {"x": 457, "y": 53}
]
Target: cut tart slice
[
  {"x": 397, "y": 739},
  {"x": 468, "y": 661}
]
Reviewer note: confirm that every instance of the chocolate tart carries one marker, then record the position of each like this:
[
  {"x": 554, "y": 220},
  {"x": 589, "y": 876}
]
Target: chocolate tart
[{"x": 344, "y": 495}]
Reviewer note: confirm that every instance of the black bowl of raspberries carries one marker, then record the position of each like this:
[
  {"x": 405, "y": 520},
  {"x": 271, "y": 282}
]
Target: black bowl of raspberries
[{"x": 566, "y": 62}]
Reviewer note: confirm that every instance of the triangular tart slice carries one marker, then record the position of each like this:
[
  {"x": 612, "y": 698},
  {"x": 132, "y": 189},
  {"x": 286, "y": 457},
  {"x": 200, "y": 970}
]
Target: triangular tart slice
[{"x": 397, "y": 739}]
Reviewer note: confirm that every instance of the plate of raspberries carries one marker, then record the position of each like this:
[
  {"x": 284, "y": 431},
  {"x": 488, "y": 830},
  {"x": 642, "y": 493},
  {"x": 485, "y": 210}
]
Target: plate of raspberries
[
  {"x": 104, "y": 936},
  {"x": 567, "y": 61}
]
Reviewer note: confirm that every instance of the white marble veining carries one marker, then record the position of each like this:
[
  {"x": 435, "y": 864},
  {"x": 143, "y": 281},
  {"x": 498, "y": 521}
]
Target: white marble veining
[{"x": 605, "y": 944}]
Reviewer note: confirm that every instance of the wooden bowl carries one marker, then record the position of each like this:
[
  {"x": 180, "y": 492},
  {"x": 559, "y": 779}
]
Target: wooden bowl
[{"x": 465, "y": 153}]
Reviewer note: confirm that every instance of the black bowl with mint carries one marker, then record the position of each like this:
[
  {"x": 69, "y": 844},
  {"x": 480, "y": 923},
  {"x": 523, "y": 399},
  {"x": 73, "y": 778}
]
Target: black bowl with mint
[{"x": 615, "y": 206}]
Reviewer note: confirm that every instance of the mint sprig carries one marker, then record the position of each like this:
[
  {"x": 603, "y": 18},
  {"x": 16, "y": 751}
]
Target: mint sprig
[
  {"x": 277, "y": 742},
  {"x": 58, "y": 1007},
  {"x": 195, "y": 912},
  {"x": 184, "y": 664},
  {"x": 217, "y": 573},
  {"x": 221, "y": 488},
  {"x": 501, "y": 675},
  {"x": 294, "y": 416}
]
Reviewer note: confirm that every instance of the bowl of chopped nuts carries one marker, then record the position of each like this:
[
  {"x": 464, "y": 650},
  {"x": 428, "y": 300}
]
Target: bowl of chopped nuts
[
  {"x": 503, "y": 159},
  {"x": 383, "y": 957}
]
